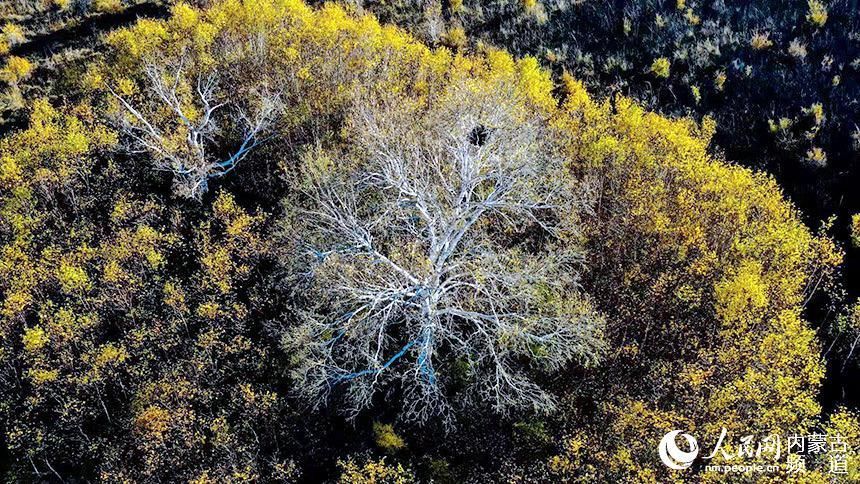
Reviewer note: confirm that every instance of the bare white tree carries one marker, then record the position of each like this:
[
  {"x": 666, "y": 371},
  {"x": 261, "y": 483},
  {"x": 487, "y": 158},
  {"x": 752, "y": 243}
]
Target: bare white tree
[
  {"x": 447, "y": 251},
  {"x": 193, "y": 105}
]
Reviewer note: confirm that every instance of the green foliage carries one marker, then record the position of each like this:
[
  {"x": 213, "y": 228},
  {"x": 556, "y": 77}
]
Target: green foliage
[{"x": 533, "y": 432}]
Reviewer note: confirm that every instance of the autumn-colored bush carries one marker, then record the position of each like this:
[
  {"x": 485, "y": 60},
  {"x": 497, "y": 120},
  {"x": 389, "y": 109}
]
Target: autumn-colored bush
[
  {"x": 16, "y": 69},
  {"x": 703, "y": 269}
]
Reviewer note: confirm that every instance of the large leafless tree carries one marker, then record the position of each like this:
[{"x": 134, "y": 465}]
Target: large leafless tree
[{"x": 441, "y": 250}]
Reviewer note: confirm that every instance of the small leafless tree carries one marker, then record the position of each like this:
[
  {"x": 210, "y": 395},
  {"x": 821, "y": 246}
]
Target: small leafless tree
[
  {"x": 443, "y": 248},
  {"x": 179, "y": 125}
]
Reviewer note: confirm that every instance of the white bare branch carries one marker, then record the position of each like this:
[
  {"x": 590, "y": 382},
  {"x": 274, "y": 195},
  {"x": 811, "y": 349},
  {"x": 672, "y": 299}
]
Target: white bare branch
[
  {"x": 449, "y": 246},
  {"x": 182, "y": 141}
]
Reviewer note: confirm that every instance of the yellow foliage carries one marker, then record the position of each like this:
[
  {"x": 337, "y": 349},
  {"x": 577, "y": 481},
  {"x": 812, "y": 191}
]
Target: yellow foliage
[
  {"x": 10, "y": 172},
  {"x": 816, "y": 156},
  {"x": 817, "y": 14},
  {"x": 720, "y": 81},
  {"x": 153, "y": 422},
  {"x": 721, "y": 234},
  {"x": 816, "y": 110},
  {"x": 386, "y": 438},
  {"x": 174, "y": 297},
  {"x": 373, "y": 472},
  {"x": 742, "y": 293},
  {"x": 224, "y": 262},
  {"x": 208, "y": 310},
  {"x": 705, "y": 231},
  {"x": 34, "y": 339},
  {"x": 73, "y": 278},
  {"x": 855, "y": 230},
  {"x": 660, "y": 67},
  {"x": 691, "y": 17},
  {"x": 703, "y": 264},
  {"x": 456, "y": 38},
  {"x": 16, "y": 70},
  {"x": 761, "y": 41},
  {"x": 64, "y": 325},
  {"x": 41, "y": 376},
  {"x": 108, "y": 6},
  {"x": 13, "y": 33},
  {"x": 110, "y": 354}
]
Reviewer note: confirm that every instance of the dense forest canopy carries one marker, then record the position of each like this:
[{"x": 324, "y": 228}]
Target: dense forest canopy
[
  {"x": 258, "y": 240},
  {"x": 780, "y": 78}
]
